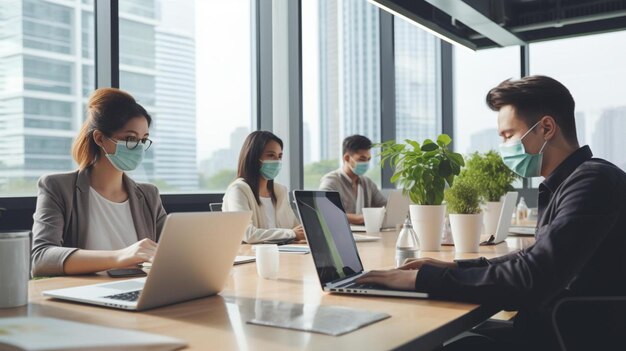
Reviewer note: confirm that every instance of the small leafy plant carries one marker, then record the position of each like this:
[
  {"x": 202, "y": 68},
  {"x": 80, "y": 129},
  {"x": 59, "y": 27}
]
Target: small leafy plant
[
  {"x": 463, "y": 197},
  {"x": 489, "y": 173},
  {"x": 422, "y": 170}
]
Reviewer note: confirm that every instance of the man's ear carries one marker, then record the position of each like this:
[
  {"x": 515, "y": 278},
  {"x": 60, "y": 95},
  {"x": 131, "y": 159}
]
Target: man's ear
[
  {"x": 346, "y": 157},
  {"x": 549, "y": 127}
]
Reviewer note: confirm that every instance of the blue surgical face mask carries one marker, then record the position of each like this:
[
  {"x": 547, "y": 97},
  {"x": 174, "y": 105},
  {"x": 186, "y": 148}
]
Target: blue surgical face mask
[
  {"x": 125, "y": 159},
  {"x": 515, "y": 157},
  {"x": 270, "y": 168},
  {"x": 360, "y": 168}
]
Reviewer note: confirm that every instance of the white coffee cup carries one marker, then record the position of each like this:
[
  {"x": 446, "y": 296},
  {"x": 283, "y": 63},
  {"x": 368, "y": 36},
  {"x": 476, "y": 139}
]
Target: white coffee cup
[
  {"x": 267, "y": 261},
  {"x": 14, "y": 268},
  {"x": 373, "y": 217}
]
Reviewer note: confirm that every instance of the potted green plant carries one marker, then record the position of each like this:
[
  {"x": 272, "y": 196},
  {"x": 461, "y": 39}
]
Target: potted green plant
[
  {"x": 493, "y": 180},
  {"x": 466, "y": 218},
  {"x": 422, "y": 171}
]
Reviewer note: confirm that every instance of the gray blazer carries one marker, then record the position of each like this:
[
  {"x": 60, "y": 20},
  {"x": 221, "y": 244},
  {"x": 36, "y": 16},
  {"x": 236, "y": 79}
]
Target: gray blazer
[
  {"x": 62, "y": 216},
  {"x": 338, "y": 181}
]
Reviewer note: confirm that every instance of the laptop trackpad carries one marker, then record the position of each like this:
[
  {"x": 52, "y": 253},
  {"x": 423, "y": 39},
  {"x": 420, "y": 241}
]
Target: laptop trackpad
[{"x": 129, "y": 285}]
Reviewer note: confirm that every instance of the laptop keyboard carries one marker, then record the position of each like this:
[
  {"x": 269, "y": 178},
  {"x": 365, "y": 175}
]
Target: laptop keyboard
[
  {"x": 129, "y": 296},
  {"x": 366, "y": 286}
]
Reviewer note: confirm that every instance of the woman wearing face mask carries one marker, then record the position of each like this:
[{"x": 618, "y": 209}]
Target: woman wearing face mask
[
  {"x": 97, "y": 218},
  {"x": 255, "y": 190}
]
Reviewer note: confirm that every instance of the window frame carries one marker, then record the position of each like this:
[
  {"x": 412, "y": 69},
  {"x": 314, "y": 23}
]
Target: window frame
[{"x": 264, "y": 14}]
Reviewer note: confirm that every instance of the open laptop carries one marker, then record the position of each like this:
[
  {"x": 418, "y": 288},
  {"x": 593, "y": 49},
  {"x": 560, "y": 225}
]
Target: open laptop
[
  {"x": 195, "y": 254},
  {"x": 333, "y": 247},
  {"x": 395, "y": 212},
  {"x": 502, "y": 231}
]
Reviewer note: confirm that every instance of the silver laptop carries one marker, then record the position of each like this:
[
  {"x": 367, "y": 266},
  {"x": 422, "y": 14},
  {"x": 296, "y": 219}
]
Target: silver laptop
[
  {"x": 502, "y": 231},
  {"x": 395, "y": 212},
  {"x": 333, "y": 247},
  {"x": 195, "y": 254}
]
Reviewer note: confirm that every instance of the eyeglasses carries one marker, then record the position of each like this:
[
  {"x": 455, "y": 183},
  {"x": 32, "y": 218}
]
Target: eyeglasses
[{"x": 132, "y": 142}]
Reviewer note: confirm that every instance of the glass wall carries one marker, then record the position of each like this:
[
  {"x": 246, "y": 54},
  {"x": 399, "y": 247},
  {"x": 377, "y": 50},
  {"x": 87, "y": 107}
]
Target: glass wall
[
  {"x": 341, "y": 81},
  {"x": 592, "y": 68},
  {"x": 475, "y": 73},
  {"x": 418, "y": 82},
  {"x": 46, "y": 64},
  {"x": 196, "y": 83}
]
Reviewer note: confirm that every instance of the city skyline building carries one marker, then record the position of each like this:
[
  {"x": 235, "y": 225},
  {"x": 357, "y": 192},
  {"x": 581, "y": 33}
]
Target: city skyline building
[{"x": 47, "y": 74}]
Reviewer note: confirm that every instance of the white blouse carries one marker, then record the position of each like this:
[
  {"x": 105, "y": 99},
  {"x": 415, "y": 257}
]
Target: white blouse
[{"x": 111, "y": 225}]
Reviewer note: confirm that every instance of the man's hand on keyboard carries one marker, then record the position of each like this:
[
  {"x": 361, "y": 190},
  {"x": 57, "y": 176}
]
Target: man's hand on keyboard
[
  {"x": 417, "y": 263},
  {"x": 394, "y": 278}
]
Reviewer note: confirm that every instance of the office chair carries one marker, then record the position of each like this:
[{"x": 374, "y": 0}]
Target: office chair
[
  {"x": 590, "y": 323},
  {"x": 216, "y": 207}
]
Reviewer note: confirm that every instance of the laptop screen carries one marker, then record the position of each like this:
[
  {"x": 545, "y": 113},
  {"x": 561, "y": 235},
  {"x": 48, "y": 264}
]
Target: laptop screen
[{"x": 328, "y": 232}]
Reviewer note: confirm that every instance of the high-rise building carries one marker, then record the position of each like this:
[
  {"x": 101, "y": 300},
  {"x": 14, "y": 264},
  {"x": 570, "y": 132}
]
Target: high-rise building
[
  {"x": 608, "y": 136},
  {"x": 581, "y": 128},
  {"x": 349, "y": 75},
  {"x": 175, "y": 154},
  {"x": 43, "y": 61},
  {"x": 484, "y": 140},
  {"x": 359, "y": 69},
  {"x": 47, "y": 74},
  {"x": 328, "y": 41},
  {"x": 417, "y": 88},
  {"x": 226, "y": 158}
]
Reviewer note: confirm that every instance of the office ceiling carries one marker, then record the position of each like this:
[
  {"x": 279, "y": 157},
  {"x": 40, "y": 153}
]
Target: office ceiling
[{"x": 480, "y": 24}]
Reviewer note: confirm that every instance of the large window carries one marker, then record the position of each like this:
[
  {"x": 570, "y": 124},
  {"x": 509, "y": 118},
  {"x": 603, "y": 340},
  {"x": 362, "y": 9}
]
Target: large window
[
  {"x": 189, "y": 63},
  {"x": 592, "y": 68},
  {"x": 341, "y": 81},
  {"x": 475, "y": 73},
  {"x": 46, "y": 59},
  {"x": 417, "y": 76}
]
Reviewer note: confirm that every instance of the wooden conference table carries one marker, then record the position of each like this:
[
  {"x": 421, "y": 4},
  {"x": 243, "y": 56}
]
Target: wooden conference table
[{"x": 219, "y": 322}]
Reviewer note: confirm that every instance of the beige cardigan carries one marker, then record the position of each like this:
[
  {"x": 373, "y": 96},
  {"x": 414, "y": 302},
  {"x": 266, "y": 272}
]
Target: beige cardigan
[
  {"x": 239, "y": 197},
  {"x": 62, "y": 217}
]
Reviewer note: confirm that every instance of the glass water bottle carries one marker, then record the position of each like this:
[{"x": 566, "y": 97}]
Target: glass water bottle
[{"x": 407, "y": 245}]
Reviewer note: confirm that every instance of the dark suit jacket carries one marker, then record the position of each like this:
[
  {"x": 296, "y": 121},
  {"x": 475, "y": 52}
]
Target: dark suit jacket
[{"x": 579, "y": 249}]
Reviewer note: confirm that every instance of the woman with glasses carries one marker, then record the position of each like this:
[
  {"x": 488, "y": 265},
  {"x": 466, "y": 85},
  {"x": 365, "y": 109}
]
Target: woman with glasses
[
  {"x": 254, "y": 190},
  {"x": 97, "y": 218}
]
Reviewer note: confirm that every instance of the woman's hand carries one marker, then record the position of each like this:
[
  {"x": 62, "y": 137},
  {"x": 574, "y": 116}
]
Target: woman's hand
[
  {"x": 299, "y": 230},
  {"x": 139, "y": 252},
  {"x": 417, "y": 263}
]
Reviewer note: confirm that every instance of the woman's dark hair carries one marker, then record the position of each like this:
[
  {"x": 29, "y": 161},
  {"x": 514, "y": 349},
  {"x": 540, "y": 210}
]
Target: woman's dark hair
[
  {"x": 250, "y": 161},
  {"x": 355, "y": 143},
  {"x": 534, "y": 97},
  {"x": 108, "y": 110}
]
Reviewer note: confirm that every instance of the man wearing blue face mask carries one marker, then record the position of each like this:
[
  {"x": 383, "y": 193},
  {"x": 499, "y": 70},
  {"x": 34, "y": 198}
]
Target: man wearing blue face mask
[
  {"x": 581, "y": 227},
  {"x": 356, "y": 190}
]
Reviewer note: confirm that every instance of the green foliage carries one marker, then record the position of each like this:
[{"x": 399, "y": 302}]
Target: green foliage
[
  {"x": 489, "y": 173},
  {"x": 313, "y": 172},
  {"x": 463, "y": 197},
  {"x": 220, "y": 180},
  {"x": 423, "y": 170}
]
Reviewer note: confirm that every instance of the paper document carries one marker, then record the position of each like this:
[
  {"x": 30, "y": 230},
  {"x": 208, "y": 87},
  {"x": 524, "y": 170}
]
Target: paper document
[
  {"x": 331, "y": 320},
  {"x": 244, "y": 259},
  {"x": 297, "y": 249},
  {"x": 35, "y": 333}
]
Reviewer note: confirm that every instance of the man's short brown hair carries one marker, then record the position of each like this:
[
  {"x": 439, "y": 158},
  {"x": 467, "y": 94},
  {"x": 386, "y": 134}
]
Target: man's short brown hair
[{"x": 533, "y": 97}]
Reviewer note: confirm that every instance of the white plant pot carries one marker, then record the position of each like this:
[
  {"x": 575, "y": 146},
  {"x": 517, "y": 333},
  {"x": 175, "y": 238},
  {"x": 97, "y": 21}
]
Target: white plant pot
[
  {"x": 466, "y": 230},
  {"x": 428, "y": 223},
  {"x": 492, "y": 217}
]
